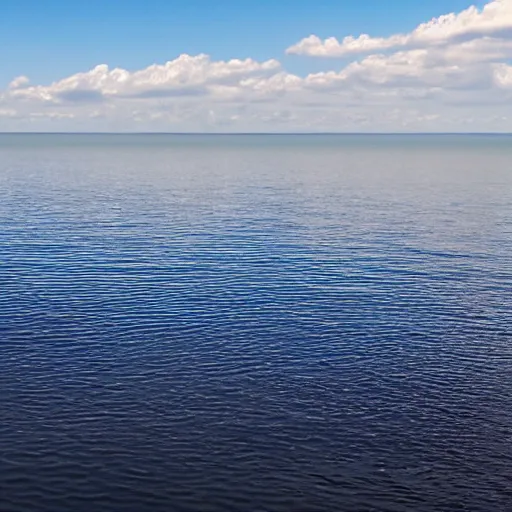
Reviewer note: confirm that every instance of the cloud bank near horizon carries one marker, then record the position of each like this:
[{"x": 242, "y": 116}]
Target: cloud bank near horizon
[{"x": 450, "y": 74}]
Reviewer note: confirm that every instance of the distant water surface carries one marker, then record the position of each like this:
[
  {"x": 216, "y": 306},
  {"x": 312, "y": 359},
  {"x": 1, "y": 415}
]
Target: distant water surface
[{"x": 255, "y": 323}]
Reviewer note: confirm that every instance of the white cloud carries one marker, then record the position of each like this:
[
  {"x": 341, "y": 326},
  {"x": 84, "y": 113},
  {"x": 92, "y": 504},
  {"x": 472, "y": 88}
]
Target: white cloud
[
  {"x": 503, "y": 76},
  {"x": 185, "y": 76},
  {"x": 458, "y": 58},
  {"x": 461, "y": 80},
  {"x": 18, "y": 82},
  {"x": 416, "y": 89},
  {"x": 469, "y": 66},
  {"x": 494, "y": 20}
]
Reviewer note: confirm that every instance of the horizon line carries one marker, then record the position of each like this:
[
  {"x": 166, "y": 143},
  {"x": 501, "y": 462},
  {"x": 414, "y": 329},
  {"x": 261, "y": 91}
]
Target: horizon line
[{"x": 258, "y": 133}]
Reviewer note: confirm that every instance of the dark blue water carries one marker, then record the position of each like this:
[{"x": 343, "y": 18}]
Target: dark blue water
[{"x": 255, "y": 323}]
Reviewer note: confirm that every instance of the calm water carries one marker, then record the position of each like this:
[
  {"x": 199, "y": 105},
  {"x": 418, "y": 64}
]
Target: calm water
[{"x": 255, "y": 323}]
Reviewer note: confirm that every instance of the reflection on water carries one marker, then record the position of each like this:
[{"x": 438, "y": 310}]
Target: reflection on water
[{"x": 255, "y": 323}]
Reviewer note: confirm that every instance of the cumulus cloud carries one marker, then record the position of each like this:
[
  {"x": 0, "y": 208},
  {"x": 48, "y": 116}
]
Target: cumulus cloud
[
  {"x": 18, "y": 82},
  {"x": 185, "y": 76},
  {"x": 503, "y": 76},
  {"x": 469, "y": 66},
  {"x": 453, "y": 73},
  {"x": 454, "y": 56},
  {"x": 416, "y": 89},
  {"x": 493, "y": 20}
]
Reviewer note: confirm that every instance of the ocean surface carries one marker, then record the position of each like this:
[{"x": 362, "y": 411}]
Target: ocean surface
[{"x": 255, "y": 323}]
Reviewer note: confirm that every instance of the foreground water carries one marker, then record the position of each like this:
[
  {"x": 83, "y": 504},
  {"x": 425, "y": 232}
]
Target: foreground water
[{"x": 257, "y": 323}]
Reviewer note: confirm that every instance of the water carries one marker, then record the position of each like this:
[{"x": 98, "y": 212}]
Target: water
[{"x": 255, "y": 323}]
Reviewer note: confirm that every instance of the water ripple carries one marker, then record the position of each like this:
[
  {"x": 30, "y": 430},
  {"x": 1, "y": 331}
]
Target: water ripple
[{"x": 255, "y": 327}]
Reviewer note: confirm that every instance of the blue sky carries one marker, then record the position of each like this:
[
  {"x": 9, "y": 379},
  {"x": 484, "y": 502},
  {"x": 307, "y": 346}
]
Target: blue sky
[
  {"x": 410, "y": 79},
  {"x": 49, "y": 39}
]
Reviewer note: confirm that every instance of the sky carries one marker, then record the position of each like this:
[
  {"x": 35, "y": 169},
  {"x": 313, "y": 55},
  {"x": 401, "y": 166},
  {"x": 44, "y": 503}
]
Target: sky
[{"x": 256, "y": 66}]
